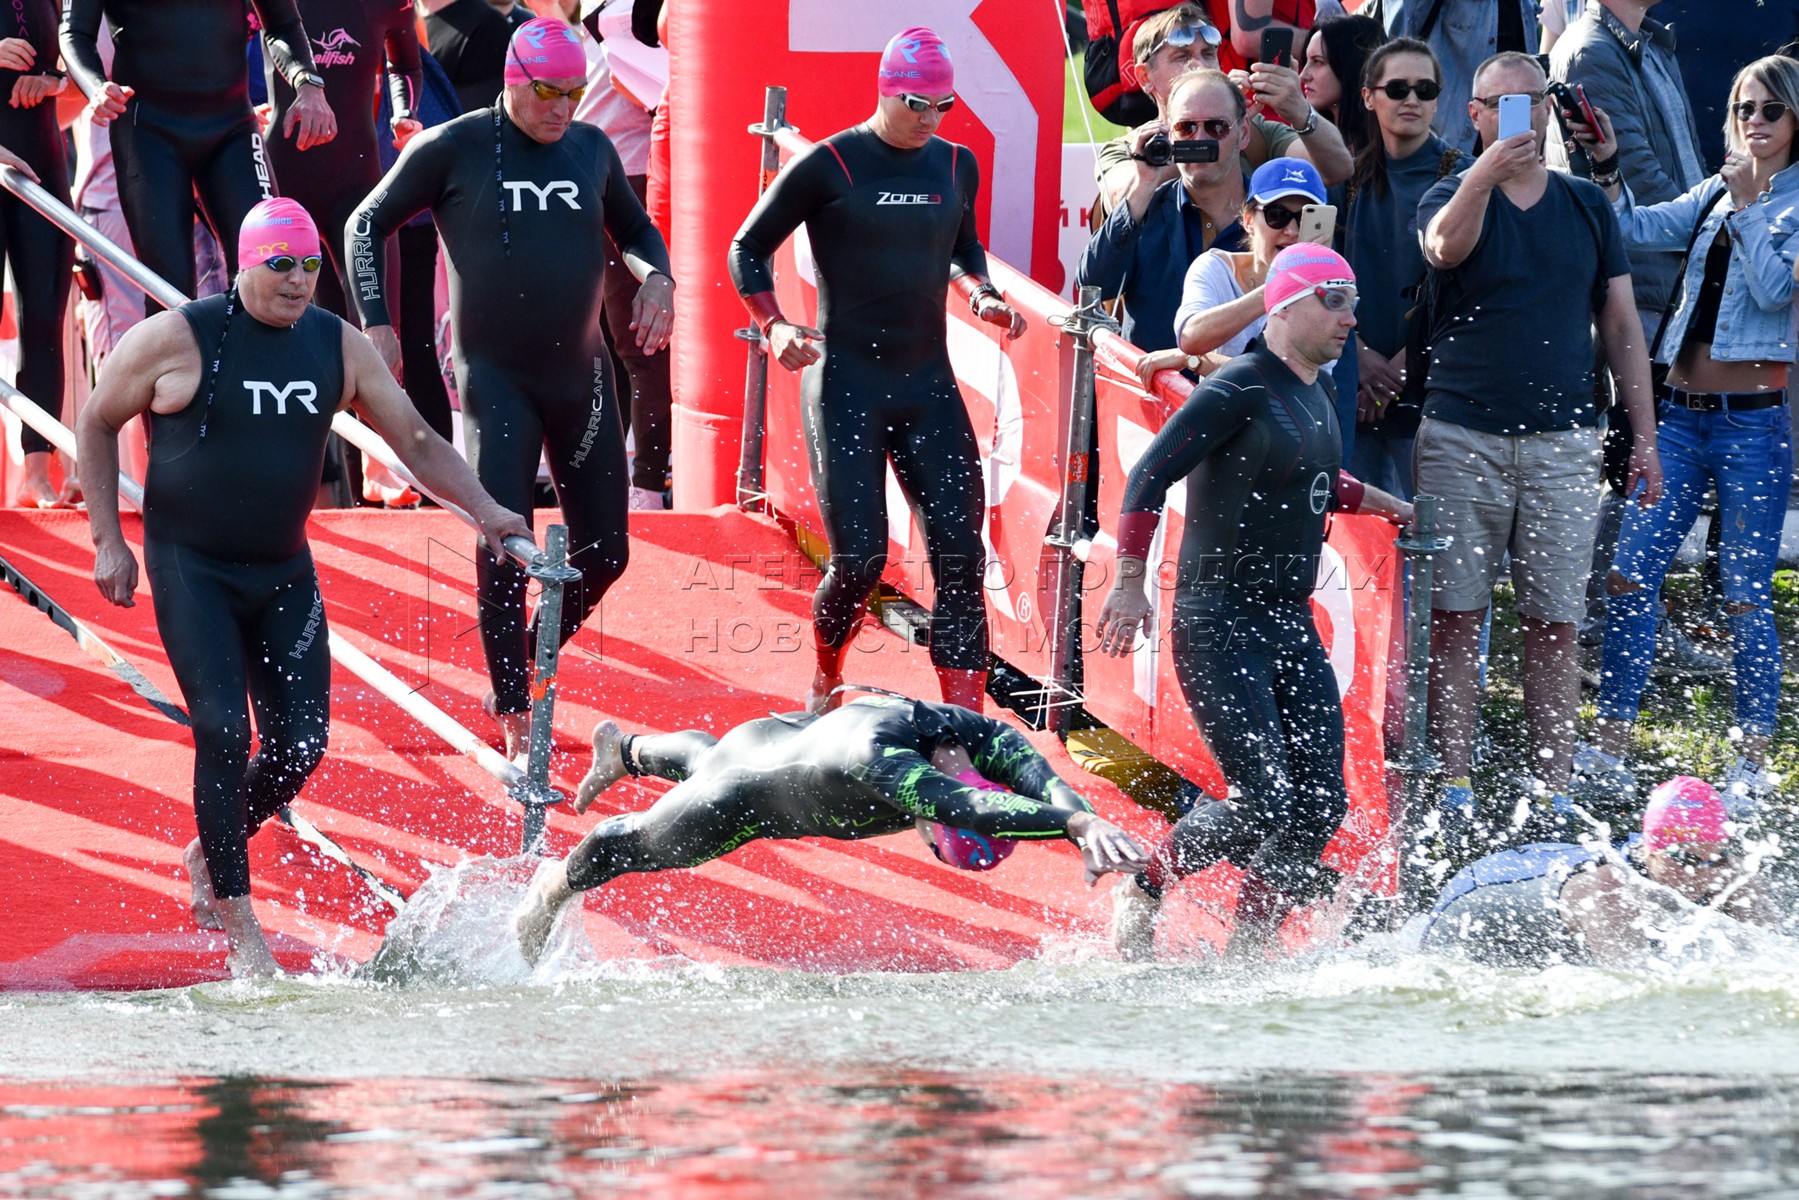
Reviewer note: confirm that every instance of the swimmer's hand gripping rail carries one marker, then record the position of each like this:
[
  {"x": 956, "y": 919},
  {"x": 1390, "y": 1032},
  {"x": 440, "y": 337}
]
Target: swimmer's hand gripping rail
[{"x": 530, "y": 786}]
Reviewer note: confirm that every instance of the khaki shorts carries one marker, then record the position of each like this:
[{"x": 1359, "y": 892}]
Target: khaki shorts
[{"x": 1535, "y": 496}]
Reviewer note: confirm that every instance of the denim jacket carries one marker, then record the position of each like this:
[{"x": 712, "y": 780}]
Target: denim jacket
[{"x": 1757, "y": 320}]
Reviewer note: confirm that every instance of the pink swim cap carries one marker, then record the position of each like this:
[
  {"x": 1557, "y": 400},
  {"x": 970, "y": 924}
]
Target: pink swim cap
[
  {"x": 965, "y": 849},
  {"x": 278, "y": 226},
  {"x": 1684, "y": 809},
  {"x": 916, "y": 60},
  {"x": 1298, "y": 269},
  {"x": 544, "y": 48}
]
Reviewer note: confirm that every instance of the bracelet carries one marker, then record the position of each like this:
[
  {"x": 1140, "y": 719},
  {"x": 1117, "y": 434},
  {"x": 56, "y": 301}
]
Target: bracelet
[
  {"x": 981, "y": 293},
  {"x": 1606, "y": 181},
  {"x": 1607, "y": 166}
]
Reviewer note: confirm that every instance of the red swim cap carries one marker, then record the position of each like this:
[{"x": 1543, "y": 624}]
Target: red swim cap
[
  {"x": 278, "y": 226},
  {"x": 1684, "y": 809},
  {"x": 544, "y": 48},
  {"x": 916, "y": 60}
]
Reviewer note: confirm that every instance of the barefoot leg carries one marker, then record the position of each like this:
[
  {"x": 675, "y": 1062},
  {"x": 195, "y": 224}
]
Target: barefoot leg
[
  {"x": 536, "y": 917},
  {"x": 515, "y": 728},
  {"x": 608, "y": 764},
  {"x": 205, "y": 907},
  {"x": 36, "y": 490},
  {"x": 249, "y": 956}
]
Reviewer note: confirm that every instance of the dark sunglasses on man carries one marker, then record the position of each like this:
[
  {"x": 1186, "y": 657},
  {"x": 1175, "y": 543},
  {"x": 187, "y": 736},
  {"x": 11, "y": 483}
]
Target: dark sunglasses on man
[{"x": 1183, "y": 36}]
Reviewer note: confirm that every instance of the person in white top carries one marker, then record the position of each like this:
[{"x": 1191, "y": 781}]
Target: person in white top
[{"x": 1221, "y": 308}]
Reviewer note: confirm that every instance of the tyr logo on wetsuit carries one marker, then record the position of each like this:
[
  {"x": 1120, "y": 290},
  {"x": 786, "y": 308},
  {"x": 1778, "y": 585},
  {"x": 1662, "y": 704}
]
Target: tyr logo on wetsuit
[
  {"x": 566, "y": 190},
  {"x": 304, "y": 391}
]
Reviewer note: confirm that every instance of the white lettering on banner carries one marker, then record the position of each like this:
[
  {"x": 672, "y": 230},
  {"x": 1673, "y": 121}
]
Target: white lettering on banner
[
  {"x": 305, "y": 391},
  {"x": 563, "y": 188},
  {"x": 987, "y": 86}
]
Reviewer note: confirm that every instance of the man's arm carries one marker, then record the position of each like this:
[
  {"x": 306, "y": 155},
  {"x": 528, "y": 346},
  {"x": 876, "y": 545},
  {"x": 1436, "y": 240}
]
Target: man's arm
[
  {"x": 642, "y": 250},
  {"x": 1602, "y": 905},
  {"x": 405, "y": 70},
  {"x": 126, "y": 388},
  {"x": 1248, "y": 19},
  {"x": 806, "y": 183},
  {"x": 1621, "y": 332},
  {"x": 1600, "y": 69},
  {"x": 80, "y": 41},
  {"x": 371, "y": 388},
  {"x": 411, "y": 186}
]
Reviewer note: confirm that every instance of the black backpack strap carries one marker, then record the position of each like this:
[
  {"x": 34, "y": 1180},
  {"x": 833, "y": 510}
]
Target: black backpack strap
[{"x": 1430, "y": 20}]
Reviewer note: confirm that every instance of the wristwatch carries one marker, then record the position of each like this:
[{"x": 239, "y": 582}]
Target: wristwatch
[
  {"x": 1193, "y": 361},
  {"x": 981, "y": 293},
  {"x": 1311, "y": 125},
  {"x": 312, "y": 77}
]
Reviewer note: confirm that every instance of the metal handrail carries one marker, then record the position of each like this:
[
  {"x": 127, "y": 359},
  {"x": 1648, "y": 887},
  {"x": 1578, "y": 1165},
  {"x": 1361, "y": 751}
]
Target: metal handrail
[{"x": 529, "y": 785}]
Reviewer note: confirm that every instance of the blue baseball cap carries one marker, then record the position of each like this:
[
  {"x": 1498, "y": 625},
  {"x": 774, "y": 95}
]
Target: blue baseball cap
[{"x": 1286, "y": 177}]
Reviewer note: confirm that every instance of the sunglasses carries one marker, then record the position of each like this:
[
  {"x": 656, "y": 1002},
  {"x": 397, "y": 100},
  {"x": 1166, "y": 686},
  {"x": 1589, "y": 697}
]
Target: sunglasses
[
  {"x": 1683, "y": 855},
  {"x": 1492, "y": 102},
  {"x": 1213, "y": 127},
  {"x": 919, "y": 104},
  {"x": 547, "y": 93},
  {"x": 1772, "y": 110},
  {"x": 1183, "y": 36},
  {"x": 1399, "y": 89},
  {"x": 1279, "y": 216},
  {"x": 281, "y": 264}
]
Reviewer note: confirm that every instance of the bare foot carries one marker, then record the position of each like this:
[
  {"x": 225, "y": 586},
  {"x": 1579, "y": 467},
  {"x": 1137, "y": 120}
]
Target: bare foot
[
  {"x": 35, "y": 489},
  {"x": 71, "y": 495},
  {"x": 206, "y": 909},
  {"x": 249, "y": 956},
  {"x": 536, "y": 917},
  {"x": 608, "y": 764},
  {"x": 819, "y": 698},
  {"x": 515, "y": 728}
]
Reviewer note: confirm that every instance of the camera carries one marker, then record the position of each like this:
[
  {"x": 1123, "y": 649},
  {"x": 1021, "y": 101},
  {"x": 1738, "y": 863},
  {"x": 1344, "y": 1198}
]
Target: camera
[{"x": 1159, "y": 150}]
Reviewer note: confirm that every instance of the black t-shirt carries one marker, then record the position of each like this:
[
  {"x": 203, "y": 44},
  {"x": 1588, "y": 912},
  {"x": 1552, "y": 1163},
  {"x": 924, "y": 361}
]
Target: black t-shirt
[{"x": 1512, "y": 350}]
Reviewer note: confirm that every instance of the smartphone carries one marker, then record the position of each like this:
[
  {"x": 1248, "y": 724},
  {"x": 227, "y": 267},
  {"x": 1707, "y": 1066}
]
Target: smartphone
[
  {"x": 1586, "y": 108},
  {"x": 1514, "y": 115},
  {"x": 1318, "y": 223},
  {"x": 1277, "y": 46}
]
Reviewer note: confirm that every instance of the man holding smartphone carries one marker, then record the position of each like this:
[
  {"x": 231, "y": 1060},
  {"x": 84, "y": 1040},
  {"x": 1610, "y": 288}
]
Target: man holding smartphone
[{"x": 1527, "y": 262}]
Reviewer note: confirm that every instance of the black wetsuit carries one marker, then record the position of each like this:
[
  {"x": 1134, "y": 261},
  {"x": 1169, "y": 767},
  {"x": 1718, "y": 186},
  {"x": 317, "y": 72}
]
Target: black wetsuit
[
  {"x": 40, "y": 256},
  {"x": 468, "y": 38},
  {"x": 351, "y": 40},
  {"x": 188, "y": 127},
  {"x": 889, "y": 229},
  {"x": 1260, "y": 451},
  {"x": 231, "y": 480},
  {"x": 526, "y": 287},
  {"x": 859, "y": 771}
]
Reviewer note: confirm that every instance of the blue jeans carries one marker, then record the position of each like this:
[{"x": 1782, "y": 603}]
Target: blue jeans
[{"x": 1750, "y": 457}]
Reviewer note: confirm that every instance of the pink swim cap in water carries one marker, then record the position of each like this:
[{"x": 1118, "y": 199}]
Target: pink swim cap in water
[
  {"x": 1298, "y": 269},
  {"x": 963, "y": 848},
  {"x": 278, "y": 226},
  {"x": 544, "y": 49},
  {"x": 1684, "y": 809},
  {"x": 916, "y": 60}
]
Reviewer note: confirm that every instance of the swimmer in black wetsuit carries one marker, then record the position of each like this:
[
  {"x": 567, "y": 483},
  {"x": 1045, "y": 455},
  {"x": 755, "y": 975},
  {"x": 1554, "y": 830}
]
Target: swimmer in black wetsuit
[
  {"x": 524, "y": 197},
  {"x": 240, "y": 390},
  {"x": 1259, "y": 446},
  {"x": 40, "y": 256},
  {"x": 874, "y": 766},
  {"x": 889, "y": 210},
  {"x": 178, "y": 105},
  {"x": 351, "y": 41}
]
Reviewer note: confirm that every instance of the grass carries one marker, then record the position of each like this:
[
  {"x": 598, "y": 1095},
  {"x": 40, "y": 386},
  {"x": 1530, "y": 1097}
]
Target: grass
[
  {"x": 1683, "y": 729},
  {"x": 1074, "y": 99}
]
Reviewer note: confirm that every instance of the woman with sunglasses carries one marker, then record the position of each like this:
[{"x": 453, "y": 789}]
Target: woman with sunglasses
[
  {"x": 1221, "y": 302},
  {"x": 1561, "y": 904},
  {"x": 524, "y": 198},
  {"x": 1399, "y": 160},
  {"x": 1728, "y": 341},
  {"x": 889, "y": 209}
]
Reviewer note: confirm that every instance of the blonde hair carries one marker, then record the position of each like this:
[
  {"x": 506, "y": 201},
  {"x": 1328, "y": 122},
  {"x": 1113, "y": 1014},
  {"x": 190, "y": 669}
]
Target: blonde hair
[
  {"x": 1777, "y": 73},
  {"x": 1155, "y": 28}
]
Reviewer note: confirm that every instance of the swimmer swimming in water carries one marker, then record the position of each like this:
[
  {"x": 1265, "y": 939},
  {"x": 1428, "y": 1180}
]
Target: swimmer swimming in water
[{"x": 871, "y": 767}]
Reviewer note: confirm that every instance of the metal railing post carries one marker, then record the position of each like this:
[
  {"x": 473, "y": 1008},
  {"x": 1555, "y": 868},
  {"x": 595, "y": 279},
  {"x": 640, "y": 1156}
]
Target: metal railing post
[
  {"x": 1067, "y": 538},
  {"x": 751, "y": 493},
  {"x": 1417, "y": 766},
  {"x": 553, "y": 574}
]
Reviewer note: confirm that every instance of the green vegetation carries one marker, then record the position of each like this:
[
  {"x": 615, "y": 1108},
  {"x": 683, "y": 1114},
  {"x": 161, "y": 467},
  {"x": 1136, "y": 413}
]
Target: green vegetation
[
  {"x": 1683, "y": 730},
  {"x": 1074, "y": 99}
]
